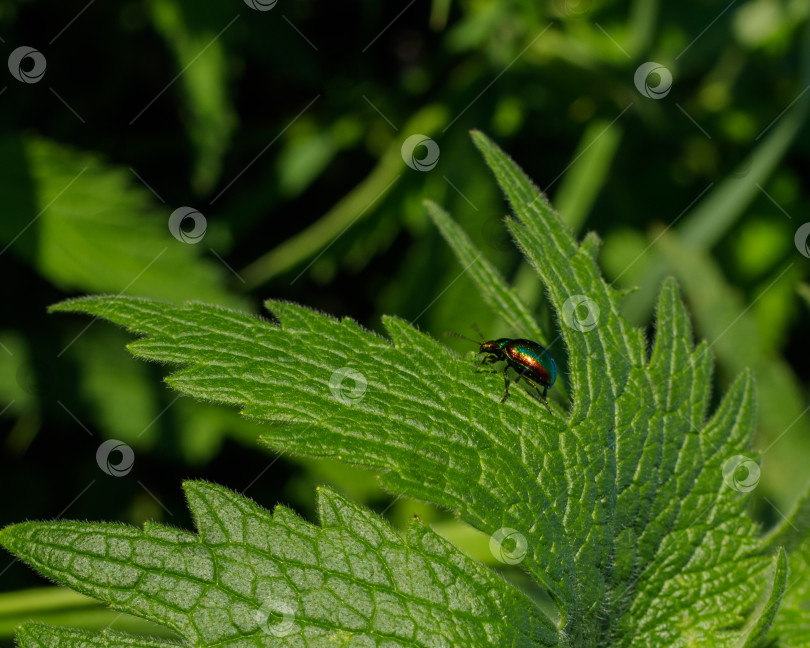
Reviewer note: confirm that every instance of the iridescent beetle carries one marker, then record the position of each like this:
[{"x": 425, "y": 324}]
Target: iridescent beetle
[{"x": 530, "y": 360}]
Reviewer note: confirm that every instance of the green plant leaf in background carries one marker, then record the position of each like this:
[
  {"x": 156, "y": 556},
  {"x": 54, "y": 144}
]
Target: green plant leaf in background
[
  {"x": 18, "y": 391},
  {"x": 803, "y": 290},
  {"x": 62, "y": 606},
  {"x": 85, "y": 225},
  {"x": 623, "y": 509},
  {"x": 352, "y": 207},
  {"x": 82, "y": 224},
  {"x": 726, "y": 202},
  {"x": 587, "y": 172},
  {"x": 191, "y": 31},
  {"x": 34, "y": 635}
]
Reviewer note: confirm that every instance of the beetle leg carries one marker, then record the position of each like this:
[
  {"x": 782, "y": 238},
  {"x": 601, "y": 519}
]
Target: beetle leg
[
  {"x": 505, "y": 384},
  {"x": 489, "y": 360},
  {"x": 545, "y": 400},
  {"x": 543, "y": 395}
]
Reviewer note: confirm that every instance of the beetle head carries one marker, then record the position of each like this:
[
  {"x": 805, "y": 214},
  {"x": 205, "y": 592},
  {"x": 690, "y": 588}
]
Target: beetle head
[{"x": 494, "y": 346}]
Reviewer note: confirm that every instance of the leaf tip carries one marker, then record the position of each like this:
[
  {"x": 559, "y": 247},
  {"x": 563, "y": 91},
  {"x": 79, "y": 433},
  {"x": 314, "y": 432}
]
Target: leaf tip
[
  {"x": 435, "y": 212},
  {"x": 748, "y": 379},
  {"x": 670, "y": 283},
  {"x": 668, "y": 294},
  {"x": 591, "y": 244},
  {"x": 30, "y": 630},
  {"x": 479, "y": 139},
  {"x": 197, "y": 488},
  {"x": 190, "y": 485},
  {"x": 25, "y": 633},
  {"x": 94, "y": 304},
  {"x": 329, "y": 505},
  {"x": 10, "y": 536},
  {"x": 72, "y": 305}
]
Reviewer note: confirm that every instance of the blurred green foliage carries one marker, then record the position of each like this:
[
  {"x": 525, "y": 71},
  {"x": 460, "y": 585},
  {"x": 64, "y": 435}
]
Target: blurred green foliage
[{"x": 284, "y": 129}]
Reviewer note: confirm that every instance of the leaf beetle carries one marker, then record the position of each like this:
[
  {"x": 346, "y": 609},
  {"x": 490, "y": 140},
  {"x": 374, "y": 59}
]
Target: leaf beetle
[{"x": 529, "y": 359}]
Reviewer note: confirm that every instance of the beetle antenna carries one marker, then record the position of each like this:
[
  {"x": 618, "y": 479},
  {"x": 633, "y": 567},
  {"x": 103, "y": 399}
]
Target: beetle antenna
[
  {"x": 459, "y": 335},
  {"x": 478, "y": 330}
]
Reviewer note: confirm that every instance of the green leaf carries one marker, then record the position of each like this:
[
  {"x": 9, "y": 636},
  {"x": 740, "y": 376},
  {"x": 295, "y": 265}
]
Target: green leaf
[
  {"x": 302, "y": 375},
  {"x": 722, "y": 317},
  {"x": 60, "y": 605},
  {"x": 357, "y": 204},
  {"x": 794, "y": 528},
  {"x": 86, "y": 225},
  {"x": 726, "y": 202},
  {"x": 34, "y": 635},
  {"x": 762, "y": 619},
  {"x": 791, "y": 627},
  {"x": 587, "y": 171},
  {"x": 653, "y": 465},
  {"x": 123, "y": 400},
  {"x": 804, "y": 292},
  {"x": 255, "y": 578},
  {"x": 194, "y": 33},
  {"x": 497, "y": 294},
  {"x": 623, "y": 509}
]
